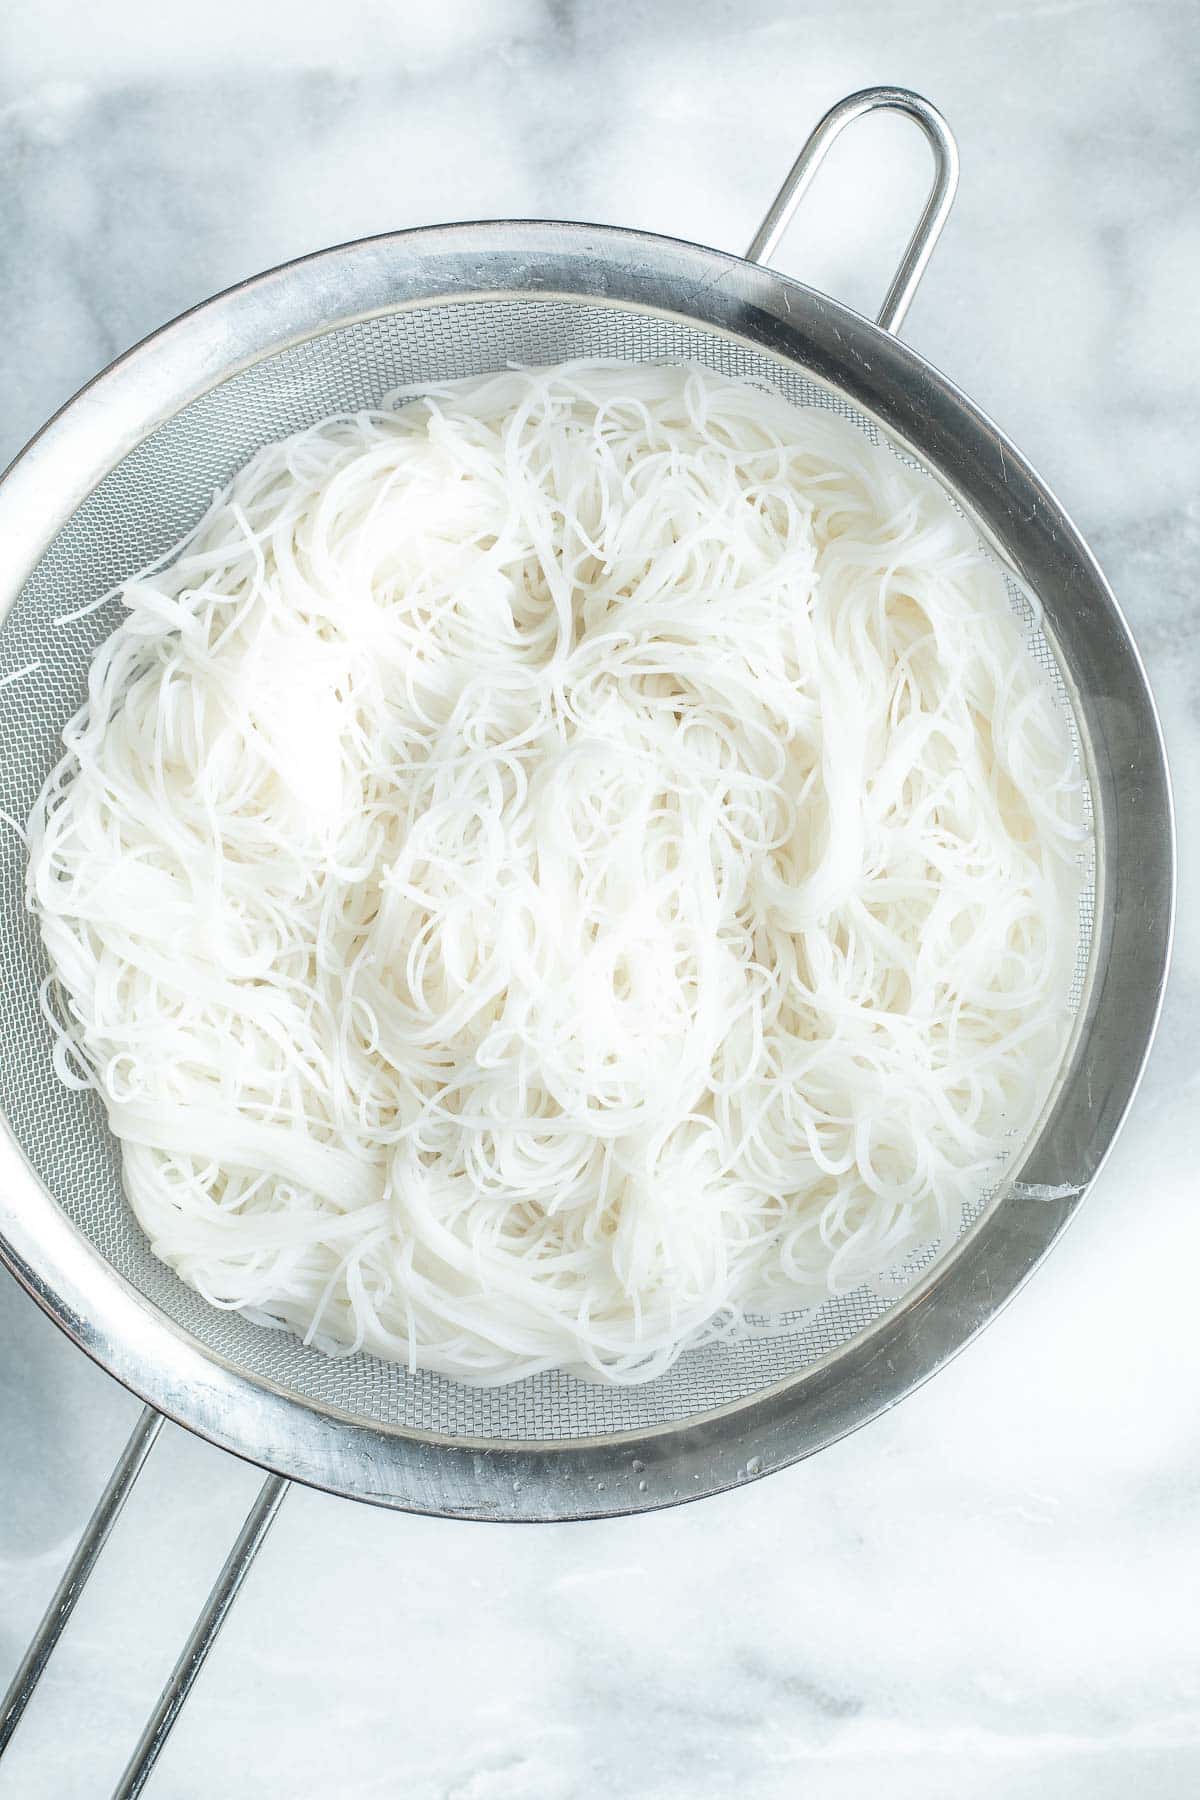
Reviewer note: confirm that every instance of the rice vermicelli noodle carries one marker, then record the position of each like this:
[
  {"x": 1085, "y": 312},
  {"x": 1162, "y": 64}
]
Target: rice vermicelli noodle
[{"x": 564, "y": 865}]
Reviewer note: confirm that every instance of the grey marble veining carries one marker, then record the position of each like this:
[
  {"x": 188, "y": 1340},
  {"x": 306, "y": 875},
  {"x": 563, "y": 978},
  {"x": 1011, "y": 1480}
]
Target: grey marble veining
[{"x": 992, "y": 1591}]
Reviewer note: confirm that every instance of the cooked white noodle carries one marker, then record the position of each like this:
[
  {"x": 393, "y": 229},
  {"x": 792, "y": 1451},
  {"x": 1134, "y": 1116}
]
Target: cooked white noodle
[{"x": 558, "y": 865}]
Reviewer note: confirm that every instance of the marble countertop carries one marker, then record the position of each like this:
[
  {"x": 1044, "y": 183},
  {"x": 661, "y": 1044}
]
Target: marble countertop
[{"x": 991, "y": 1592}]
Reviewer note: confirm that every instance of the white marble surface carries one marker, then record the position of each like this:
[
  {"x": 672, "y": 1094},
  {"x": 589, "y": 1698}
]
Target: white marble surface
[{"x": 994, "y": 1591}]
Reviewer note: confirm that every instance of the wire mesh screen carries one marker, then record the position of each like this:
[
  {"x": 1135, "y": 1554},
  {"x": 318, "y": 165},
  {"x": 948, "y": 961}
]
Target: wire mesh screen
[{"x": 136, "y": 513}]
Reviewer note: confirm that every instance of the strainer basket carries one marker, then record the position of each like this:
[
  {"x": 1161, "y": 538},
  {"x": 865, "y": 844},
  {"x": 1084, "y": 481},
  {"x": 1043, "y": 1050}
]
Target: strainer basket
[{"x": 121, "y": 473}]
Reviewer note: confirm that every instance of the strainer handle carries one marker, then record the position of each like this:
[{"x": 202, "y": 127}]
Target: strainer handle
[
  {"x": 203, "y": 1635},
  {"x": 54, "y": 1620},
  {"x": 937, "y": 208}
]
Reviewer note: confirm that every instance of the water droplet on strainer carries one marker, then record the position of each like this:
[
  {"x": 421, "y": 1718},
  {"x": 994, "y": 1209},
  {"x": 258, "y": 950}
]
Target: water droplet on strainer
[{"x": 642, "y": 1486}]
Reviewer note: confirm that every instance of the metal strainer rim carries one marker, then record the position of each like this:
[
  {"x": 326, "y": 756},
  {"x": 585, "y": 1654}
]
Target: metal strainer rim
[{"x": 913, "y": 404}]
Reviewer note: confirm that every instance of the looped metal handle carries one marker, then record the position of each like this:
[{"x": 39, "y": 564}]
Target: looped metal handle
[
  {"x": 937, "y": 208},
  {"x": 204, "y": 1633}
]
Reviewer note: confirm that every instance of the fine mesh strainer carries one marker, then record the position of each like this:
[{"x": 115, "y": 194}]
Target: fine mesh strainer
[{"x": 122, "y": 472}]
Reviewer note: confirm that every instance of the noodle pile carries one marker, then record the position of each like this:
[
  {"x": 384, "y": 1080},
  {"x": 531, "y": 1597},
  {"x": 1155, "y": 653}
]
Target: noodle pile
[{"x": 566, "y": 865}]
